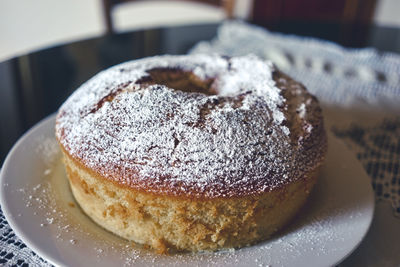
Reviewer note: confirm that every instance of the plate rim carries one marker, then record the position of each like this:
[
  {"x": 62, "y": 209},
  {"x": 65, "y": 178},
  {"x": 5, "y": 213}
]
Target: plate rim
[{"x": 3, "y": 201}]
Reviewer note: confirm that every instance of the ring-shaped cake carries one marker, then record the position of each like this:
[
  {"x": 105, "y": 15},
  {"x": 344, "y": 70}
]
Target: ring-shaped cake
[{"x": 198, "y": 152}]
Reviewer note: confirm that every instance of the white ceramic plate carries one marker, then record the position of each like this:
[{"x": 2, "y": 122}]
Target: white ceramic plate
[{"x": 37, "y": 203}]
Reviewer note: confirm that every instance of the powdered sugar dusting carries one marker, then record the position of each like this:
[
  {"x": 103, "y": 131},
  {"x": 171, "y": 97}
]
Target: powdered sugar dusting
[
  {"x": 302, "y": 110},
  {"x": 47, "y": 150},
  {"x": 158, "y": 138}
]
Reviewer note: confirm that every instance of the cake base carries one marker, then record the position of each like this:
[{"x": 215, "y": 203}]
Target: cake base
[{"x": 176, "y": 223}]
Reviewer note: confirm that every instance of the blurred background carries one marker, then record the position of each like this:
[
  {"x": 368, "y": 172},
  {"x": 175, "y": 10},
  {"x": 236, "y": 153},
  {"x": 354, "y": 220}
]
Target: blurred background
[{"x": 27, "y": 25}]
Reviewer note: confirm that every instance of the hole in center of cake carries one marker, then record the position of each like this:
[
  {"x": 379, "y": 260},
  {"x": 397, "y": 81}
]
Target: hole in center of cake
[{"x": 178, "y": 79}]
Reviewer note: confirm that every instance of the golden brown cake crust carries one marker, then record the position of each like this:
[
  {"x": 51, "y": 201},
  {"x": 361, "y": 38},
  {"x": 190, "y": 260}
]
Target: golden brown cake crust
[
  {"x": 170, "y": 223},
  {"x": 195, "y": 127}
]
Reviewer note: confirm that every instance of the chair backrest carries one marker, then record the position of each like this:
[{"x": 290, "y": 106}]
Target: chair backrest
[
  {"x": 335, "y": 11},
  {"x": 108, "y": 5}
]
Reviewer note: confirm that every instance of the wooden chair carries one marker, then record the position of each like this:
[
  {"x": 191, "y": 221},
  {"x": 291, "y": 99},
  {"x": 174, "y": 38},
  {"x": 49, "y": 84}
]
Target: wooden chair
[
  {"x": 108, "y": 5},
  {"x": 337, "y": 11},
  {"x": 343, "y": 21}
]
